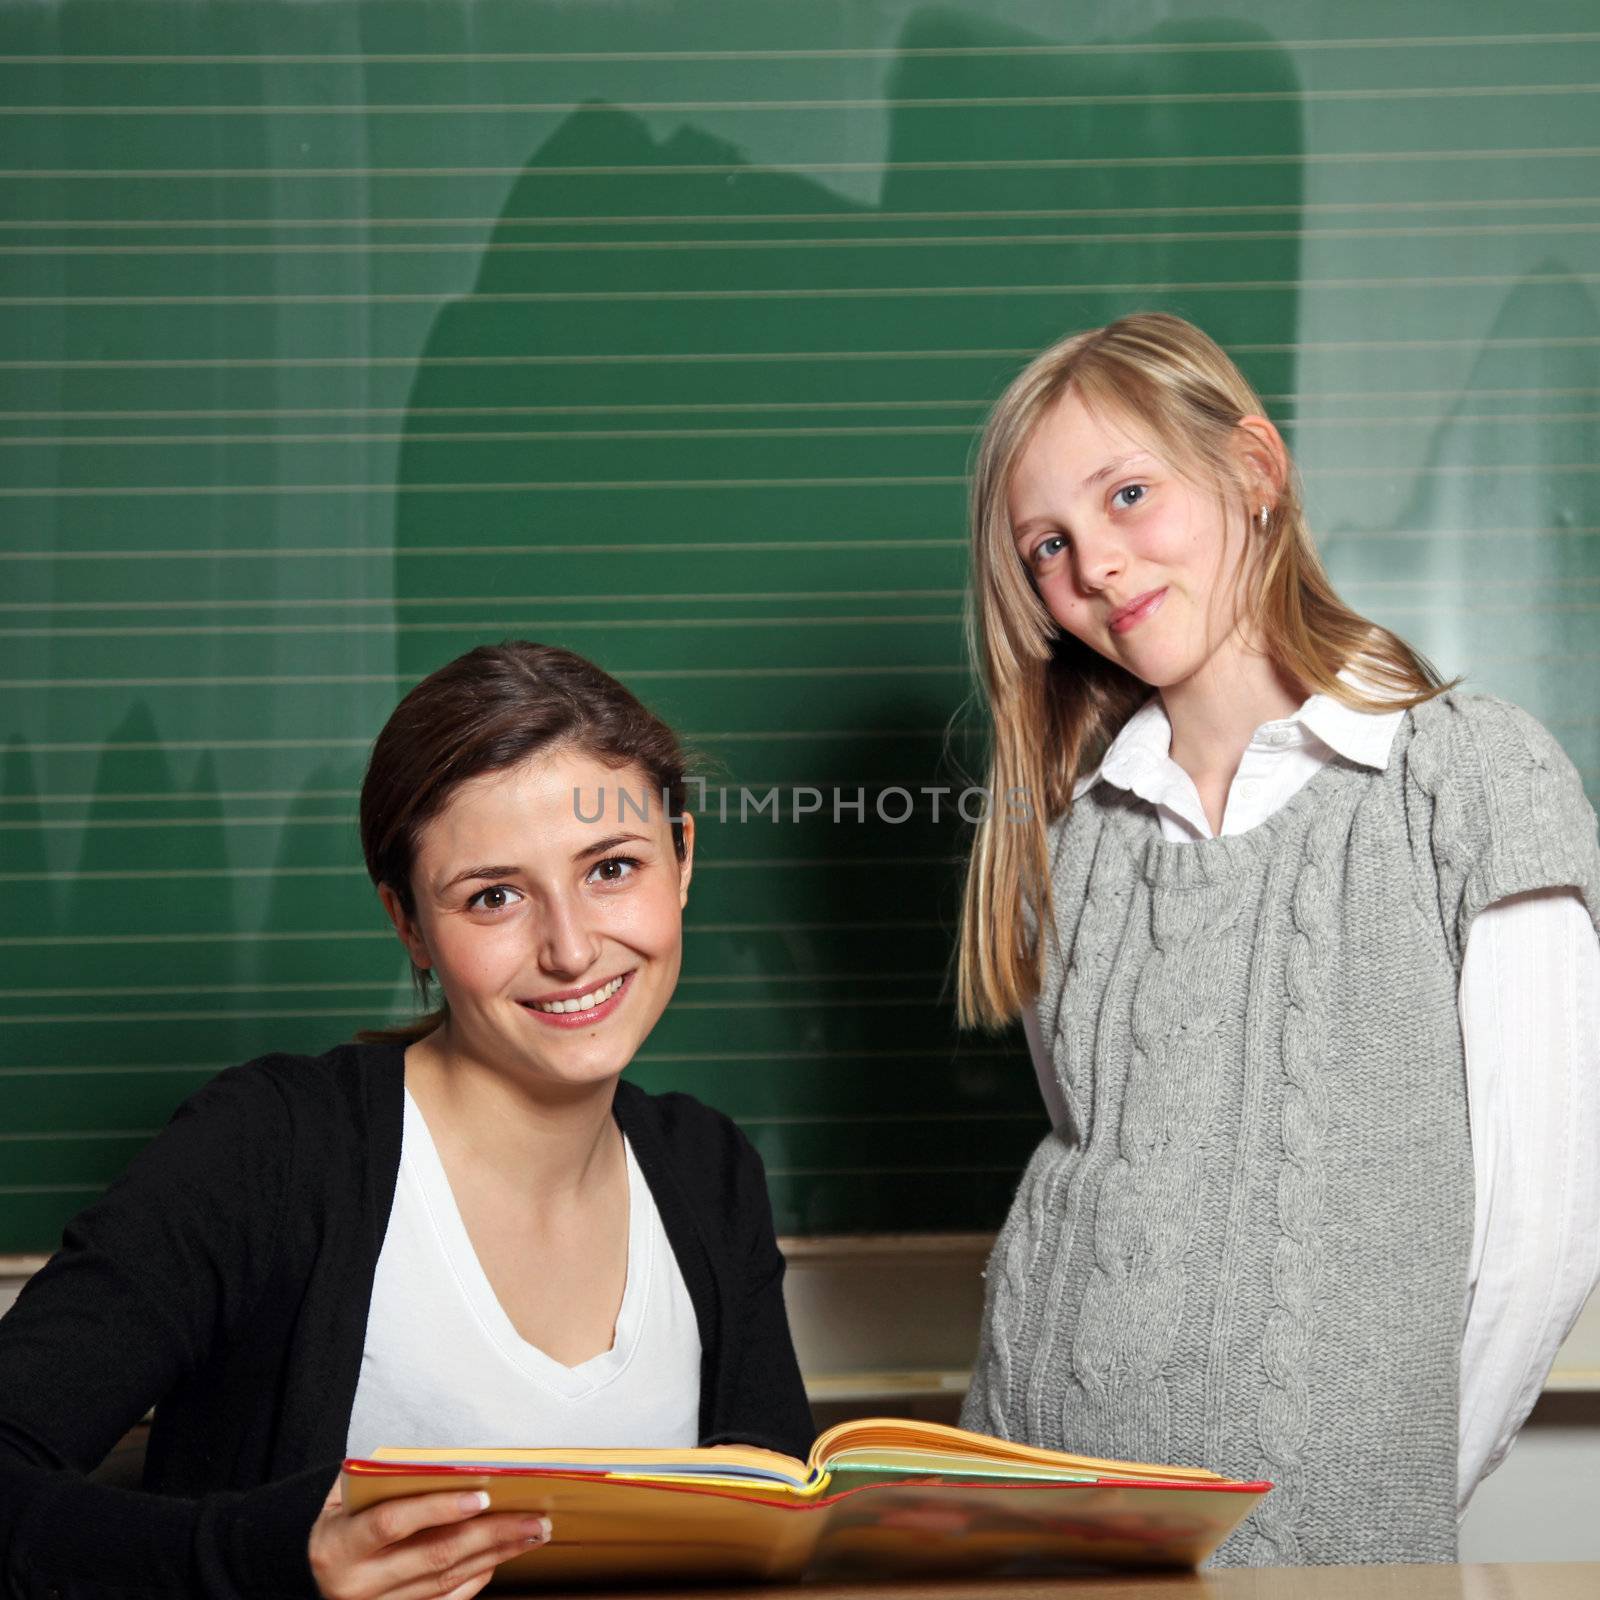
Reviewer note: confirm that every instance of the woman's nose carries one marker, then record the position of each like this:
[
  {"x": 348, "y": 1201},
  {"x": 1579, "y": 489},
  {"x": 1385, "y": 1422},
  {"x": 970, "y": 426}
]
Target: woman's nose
[{"x": 567, "y": 947}]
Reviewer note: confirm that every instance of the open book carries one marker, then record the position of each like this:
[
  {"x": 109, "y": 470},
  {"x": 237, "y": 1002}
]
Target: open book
[{"x": 876, "y": 1497}]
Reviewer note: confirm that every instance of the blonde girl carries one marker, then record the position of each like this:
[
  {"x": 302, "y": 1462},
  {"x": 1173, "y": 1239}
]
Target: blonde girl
[{"x": 1305, "y": 944}]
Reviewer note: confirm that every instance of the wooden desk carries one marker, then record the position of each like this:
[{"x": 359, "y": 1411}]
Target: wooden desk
[{"x": 1545, "y": 1580}]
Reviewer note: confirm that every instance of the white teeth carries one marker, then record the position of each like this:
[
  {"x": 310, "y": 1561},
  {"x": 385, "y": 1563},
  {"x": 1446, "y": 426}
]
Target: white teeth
[{"x": 584, "y": 1002}]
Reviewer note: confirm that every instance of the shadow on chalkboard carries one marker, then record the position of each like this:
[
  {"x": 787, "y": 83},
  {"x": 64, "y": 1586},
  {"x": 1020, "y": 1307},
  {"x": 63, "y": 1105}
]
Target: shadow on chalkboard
[
  {"x": 1536, "y": 512},
  {"x": 1090, "y": 178}
]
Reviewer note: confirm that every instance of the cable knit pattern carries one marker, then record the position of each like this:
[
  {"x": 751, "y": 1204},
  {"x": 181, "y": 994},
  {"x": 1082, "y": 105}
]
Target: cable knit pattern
[
  {"x": 1284, "y": 1414},
  {"x": 991, "y": 1402},
  {"x": 1150, "y": 1196},
  {"x": 1249, "y": 1250}
]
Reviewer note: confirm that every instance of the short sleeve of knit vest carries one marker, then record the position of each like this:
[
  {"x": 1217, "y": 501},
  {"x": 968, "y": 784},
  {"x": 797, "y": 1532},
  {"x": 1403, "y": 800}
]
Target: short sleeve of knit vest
[{"x": 1500, "y": 804}]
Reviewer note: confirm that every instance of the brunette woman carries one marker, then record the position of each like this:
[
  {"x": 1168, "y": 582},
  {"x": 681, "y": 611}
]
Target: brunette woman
[{"x": 464, "y": 1232}]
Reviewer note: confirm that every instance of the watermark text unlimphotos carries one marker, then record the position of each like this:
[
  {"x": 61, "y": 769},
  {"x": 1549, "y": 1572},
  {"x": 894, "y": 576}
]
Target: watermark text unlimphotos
[{"x": 799, "y": 802}]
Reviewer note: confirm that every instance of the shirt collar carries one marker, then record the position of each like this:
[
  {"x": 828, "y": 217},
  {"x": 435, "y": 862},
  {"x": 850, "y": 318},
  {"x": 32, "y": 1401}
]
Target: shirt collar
[{"x": 1136, "y": 757}]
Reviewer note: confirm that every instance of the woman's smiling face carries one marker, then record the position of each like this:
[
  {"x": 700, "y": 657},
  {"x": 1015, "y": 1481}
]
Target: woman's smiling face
[
  {"x": 557, "y": 940},
  {"x": 1129, "y": 556}
]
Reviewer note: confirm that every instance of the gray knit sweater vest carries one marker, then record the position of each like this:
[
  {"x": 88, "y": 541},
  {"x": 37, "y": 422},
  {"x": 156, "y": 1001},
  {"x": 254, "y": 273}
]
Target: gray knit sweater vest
[{"x": 1247, "y": 1247}]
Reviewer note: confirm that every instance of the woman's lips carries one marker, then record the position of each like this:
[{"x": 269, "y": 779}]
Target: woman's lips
[
  {"x": 583, "y": 1019},
  {"x": 1132, "y": 615}
]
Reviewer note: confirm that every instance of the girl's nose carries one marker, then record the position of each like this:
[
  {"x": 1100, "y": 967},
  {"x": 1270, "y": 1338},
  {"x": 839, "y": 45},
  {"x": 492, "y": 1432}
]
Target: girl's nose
[{"x": 1098, "y": 561}]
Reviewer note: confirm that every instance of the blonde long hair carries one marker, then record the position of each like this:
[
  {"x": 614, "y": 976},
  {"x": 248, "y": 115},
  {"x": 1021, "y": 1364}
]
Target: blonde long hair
[{"x": 1054, "y": 703}]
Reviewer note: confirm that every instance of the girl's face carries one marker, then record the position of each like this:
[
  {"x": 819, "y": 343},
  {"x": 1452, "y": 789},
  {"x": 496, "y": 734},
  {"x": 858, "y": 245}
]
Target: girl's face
[
  {"x": 1128, "y": 556},
  {"x": 553, "y": 922}
]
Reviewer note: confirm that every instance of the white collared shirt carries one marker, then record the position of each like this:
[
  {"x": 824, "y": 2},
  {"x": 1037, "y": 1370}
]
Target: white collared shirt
[{"x": 1529, "y": 1000}]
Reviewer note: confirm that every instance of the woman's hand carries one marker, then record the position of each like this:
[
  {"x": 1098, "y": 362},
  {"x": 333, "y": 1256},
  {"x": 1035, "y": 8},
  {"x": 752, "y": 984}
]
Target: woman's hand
[{"x": 417, "y": 1547}]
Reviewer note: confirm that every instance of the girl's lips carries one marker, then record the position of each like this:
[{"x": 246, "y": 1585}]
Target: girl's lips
[
  {"x": 583, "y": 1019},
  {"x": 1133, "y": 615}
]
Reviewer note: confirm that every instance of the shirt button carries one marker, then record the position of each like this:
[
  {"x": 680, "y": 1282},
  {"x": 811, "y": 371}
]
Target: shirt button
[{"x": 1278, "y": 736}]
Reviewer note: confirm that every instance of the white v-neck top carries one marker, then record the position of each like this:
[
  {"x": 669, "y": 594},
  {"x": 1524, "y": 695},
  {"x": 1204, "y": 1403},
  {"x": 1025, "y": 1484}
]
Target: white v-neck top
[{"x": 443, "y": 1366}]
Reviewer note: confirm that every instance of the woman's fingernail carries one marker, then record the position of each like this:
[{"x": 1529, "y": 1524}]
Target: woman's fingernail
[
  {"x": 476, "y": 1500},
  {"x": 536, "y": 1530}
]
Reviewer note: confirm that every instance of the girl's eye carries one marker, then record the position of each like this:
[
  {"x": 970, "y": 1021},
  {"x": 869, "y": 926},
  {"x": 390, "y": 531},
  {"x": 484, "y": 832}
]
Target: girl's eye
[
  {"x": 1048, "y": 547},
  {"x": 600, "y": 872},
  {"x": 495, "y": 898},
  {"x": 1134, "y": 492}
]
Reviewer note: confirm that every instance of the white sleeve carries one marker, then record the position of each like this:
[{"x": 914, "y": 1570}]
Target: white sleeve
[
  {"x": 1043, "y": 1066},
  {"x": 1530, "y": 1025}
]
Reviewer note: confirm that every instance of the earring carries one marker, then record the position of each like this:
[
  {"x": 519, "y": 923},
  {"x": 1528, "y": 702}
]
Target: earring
[{"x": 1261, "y": 519}]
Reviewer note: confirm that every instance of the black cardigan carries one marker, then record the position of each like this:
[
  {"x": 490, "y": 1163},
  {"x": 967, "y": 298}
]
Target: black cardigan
[{"x": 225, "y": 1278}]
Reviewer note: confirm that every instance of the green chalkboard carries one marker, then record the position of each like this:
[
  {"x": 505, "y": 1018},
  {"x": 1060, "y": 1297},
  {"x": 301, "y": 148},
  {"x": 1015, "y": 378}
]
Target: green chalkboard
[{"x": 337, "y": 338}]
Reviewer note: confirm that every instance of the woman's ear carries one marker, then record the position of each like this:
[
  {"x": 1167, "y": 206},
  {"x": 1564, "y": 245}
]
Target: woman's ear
[
  {"x": 686, "y": 864},
  {"x": 405, "y": 924},
  {"x": 1263, "y": 459}
]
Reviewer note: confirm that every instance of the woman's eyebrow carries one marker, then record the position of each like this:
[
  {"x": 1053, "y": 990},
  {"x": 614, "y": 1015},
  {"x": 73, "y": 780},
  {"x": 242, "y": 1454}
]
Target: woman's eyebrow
[
  {"x": 479, "y": 872},
  {"x": 600, "y": 846}
]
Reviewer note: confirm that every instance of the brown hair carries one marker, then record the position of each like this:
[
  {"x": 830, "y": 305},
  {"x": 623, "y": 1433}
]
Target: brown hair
[
  {"x": 1054, "y": 703},
  {"x": 490, "y": 709}
]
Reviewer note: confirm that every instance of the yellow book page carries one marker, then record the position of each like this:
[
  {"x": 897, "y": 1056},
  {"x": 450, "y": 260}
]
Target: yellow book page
[
  {"x": 620, "y": 1463},
  {"x": 879, "y": 1434},
  {"x": 617, "y": 1531}
]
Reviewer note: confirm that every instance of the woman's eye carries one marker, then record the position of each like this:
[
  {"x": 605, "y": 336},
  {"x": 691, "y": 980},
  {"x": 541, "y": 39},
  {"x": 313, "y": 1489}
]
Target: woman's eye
[
  {"x": 496, "y": 898},
  {"x": 1129, "y": 494},
  {"x": 602, "y": 871}
]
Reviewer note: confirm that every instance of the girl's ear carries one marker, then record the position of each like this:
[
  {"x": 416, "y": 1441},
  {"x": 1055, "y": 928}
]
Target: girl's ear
[
  {"x": 686, "y": 865},
  {"x": 406, "y": 926},
  {"x": 1263, "y": 459}
]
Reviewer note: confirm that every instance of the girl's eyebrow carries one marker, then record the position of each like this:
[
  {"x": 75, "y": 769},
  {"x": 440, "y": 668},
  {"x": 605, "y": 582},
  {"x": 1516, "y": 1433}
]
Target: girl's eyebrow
[{"x": 1110, "y": 467}]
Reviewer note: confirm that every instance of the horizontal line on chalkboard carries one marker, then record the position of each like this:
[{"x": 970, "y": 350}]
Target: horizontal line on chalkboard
[
  {"x": 388, "y": 552},
  {"x": 526, "y": 435},
  {"x": 308, "y": 935},
  {"x": 663, "y": 409},
  {"x": 205, "y": 797},
  {"x": 765, "y": 1003},
  {"x": 804, "y": 53},
  {"x": 696, "y": 598},
  {"x": 315, "y": 603},
  {"x": 568, "y": 435},
  {"x": 744, "y": 357},
  {"x": 128, "y": 1067},
  {"x": 776, "y": 1120},
  {"x": 1294, "y": 285},
  {"x": 55, "y": 746},
  {"x": 402, "y": 982},
  {"x": 1296, "y": 159},
  {"x": 290, "y": 630},
  {"x": 469, "y": 625},
  {"x": 1293, "y": 399},
  {"x": 56, "y": 1135},
  {"x": 749, "y": 546},
  {"x": 515, "y": 487},
  {"x": 983, "y": 102},
  {"x": 42, "y": 491},
  {"x": 762, "y": 218},
  {"x": 476, "y": 248},
  {"x": 749, "y": 786},
  {"x": 531, "y": 359}
]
